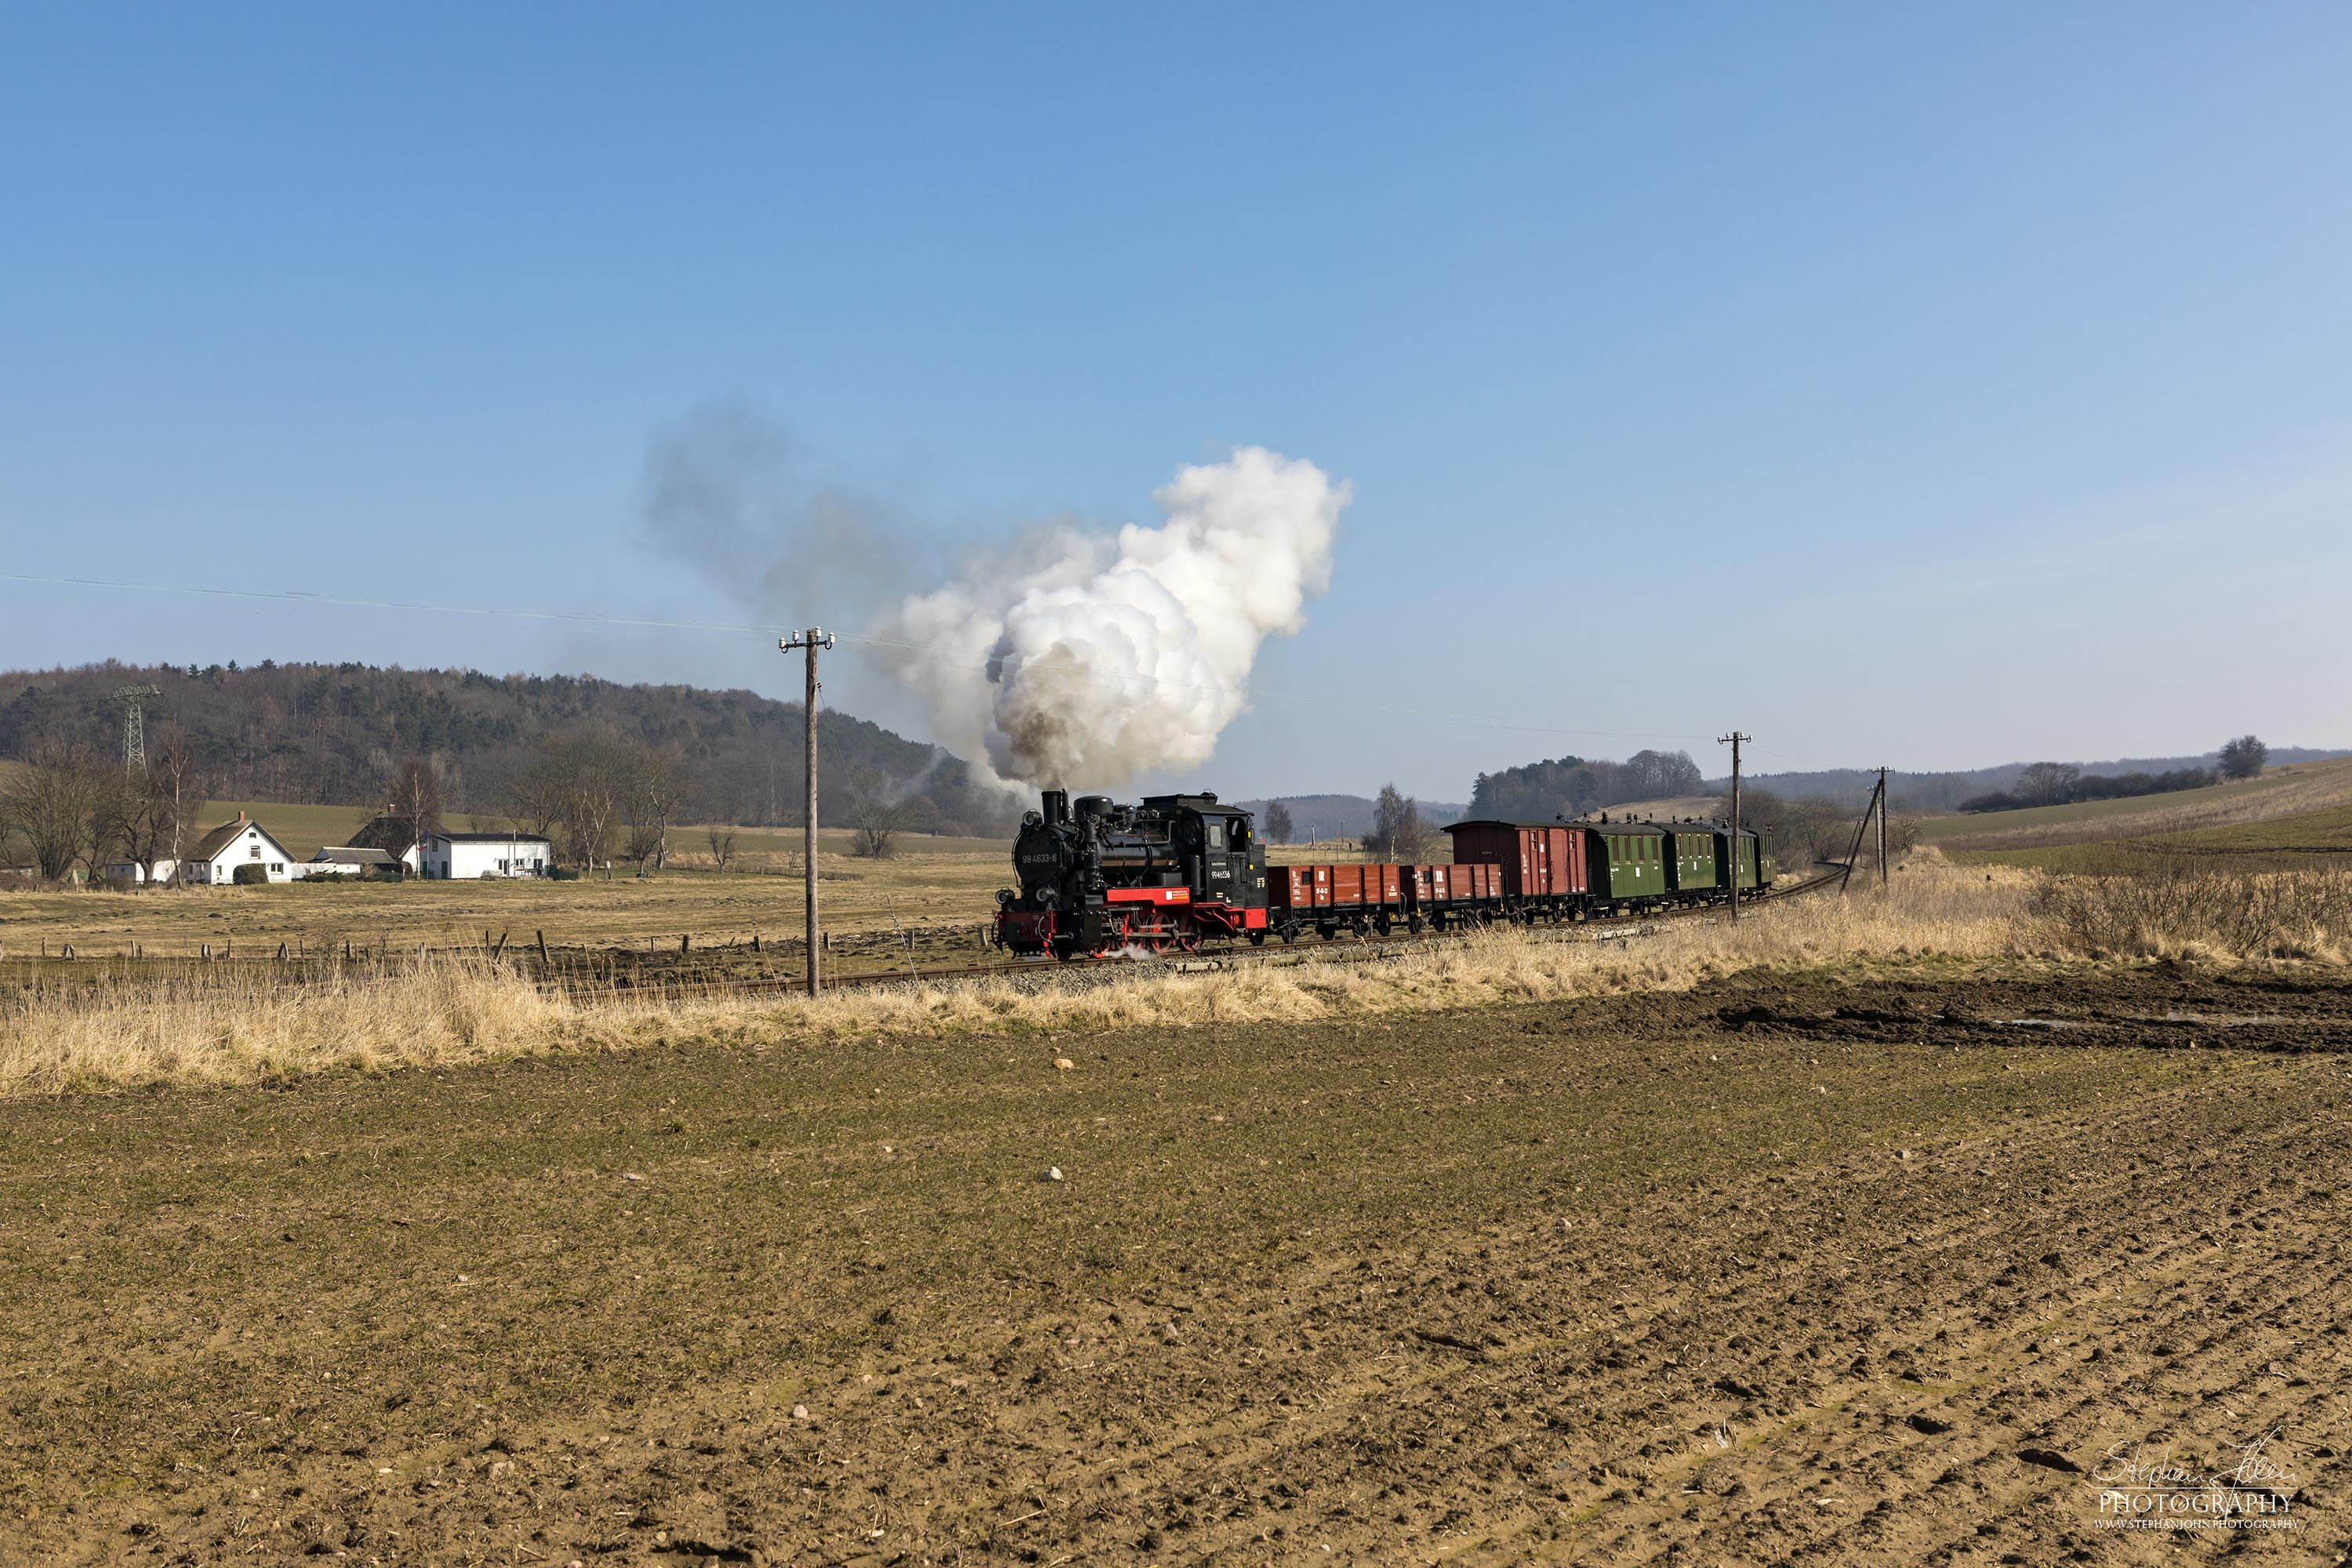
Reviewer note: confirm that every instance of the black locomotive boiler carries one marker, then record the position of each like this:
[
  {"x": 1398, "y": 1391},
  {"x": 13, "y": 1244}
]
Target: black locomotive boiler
[{"x": 1096, "y": 878}]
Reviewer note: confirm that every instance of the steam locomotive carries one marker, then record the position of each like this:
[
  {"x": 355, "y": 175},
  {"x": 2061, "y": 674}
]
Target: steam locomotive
[
  {"x": 1179, "y": 869},
  {"x": 1098, "y": 878}
]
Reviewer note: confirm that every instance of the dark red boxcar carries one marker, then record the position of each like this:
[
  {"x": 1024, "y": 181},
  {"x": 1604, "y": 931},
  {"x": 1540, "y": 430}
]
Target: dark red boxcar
[{"x": 1529, "y": 860}]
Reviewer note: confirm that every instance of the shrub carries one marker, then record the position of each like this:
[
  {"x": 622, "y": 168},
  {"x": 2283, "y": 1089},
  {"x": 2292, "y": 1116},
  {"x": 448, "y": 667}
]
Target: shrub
[
  {"x": 2171, "y": 906},
  {"x": 250, "y": 876}
]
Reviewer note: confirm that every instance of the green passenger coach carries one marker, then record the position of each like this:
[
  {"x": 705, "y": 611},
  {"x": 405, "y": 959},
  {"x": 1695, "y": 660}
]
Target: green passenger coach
[
  {"x": 1693, "y": 866},
  {"x": 1628, "y": 861}
]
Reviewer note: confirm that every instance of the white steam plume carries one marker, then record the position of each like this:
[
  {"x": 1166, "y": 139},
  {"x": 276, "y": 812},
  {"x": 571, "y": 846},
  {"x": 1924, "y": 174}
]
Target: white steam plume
[{"x": 1067, "y": 659}]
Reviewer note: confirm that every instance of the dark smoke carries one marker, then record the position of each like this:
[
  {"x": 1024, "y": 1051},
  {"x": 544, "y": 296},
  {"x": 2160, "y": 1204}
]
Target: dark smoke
[{"x": 724, "y": 493}]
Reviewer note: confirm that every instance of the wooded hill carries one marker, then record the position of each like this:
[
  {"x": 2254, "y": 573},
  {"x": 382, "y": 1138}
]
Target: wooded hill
[
  {"x": 1538, "y": 791},
  {"x": 334, "y": 734}
]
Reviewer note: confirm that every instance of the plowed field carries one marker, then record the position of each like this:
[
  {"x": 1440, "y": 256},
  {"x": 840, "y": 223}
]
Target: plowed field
[{"x": 1772, "y": 1271}]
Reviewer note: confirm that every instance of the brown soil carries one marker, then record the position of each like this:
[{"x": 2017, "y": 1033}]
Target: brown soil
[{"x": 1827, "y": 1272}]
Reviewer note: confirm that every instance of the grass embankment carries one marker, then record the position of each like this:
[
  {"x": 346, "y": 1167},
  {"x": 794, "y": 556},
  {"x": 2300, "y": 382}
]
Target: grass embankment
[{"x": 461, "y": 1010}]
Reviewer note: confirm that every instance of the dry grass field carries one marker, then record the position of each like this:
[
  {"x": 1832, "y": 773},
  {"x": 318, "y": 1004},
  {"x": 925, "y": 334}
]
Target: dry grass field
[
  {"x": 2306, "y": 840},
  {"x": 1859, "y": 1232},
  {"x": 2283, "y": 791},
  {"x": 1841, "y": 1266},
  {"x": 462, "y": 1009},
  {"x": 930, "y": 882}
]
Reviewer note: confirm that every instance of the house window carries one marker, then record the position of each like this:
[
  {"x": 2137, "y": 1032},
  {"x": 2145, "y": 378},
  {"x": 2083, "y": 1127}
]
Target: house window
[{"x": 277, "y": 865}]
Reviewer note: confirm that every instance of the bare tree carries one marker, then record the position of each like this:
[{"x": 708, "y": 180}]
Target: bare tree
[
  {"x": 534, "y": 799},
  {"x": 2244, "y": 758},
  {"x": 1809, "y": 829},
  {"x": 2047, "y": 783},
  {"x": 649, "y": 799},
  {"x": 414, "y": 788},
  {"x": 878, "y": 814},
  {"x": 179, "y": 795},
  {"x": 122, "y": 821},
  {"x": 1399, "y": 831},
  {"x": 721, "y": 839},
  {"x": 1278, "y": 827},
  {"x": 588, "y": 770},
  {"x": 54, "y": 805}
]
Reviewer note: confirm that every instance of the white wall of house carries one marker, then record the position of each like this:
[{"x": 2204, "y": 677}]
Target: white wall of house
[
  {"x": 465, "y": 859},
  {"x": 251, "y": 848}
]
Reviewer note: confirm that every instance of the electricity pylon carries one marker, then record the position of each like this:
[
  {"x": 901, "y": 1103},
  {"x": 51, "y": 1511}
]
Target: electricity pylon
[{"x": 134, "y": 725}]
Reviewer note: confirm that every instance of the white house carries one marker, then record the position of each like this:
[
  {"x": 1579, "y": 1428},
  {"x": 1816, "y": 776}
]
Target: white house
[
  {"x": 245, "y": 842},
  {"x": 466, "y": 856}
]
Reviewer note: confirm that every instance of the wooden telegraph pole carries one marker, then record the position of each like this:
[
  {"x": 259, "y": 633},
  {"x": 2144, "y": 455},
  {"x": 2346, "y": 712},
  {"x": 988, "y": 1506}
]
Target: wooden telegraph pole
[
  {"x": 1882, "y": 827},
  {"x": 1739, "y": 850},
  {"x": 812, "y": 640}
]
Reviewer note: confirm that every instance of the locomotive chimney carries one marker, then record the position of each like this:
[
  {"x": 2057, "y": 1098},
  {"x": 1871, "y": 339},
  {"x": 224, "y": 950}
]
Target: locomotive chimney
[{"x": 1058, "y": 807}]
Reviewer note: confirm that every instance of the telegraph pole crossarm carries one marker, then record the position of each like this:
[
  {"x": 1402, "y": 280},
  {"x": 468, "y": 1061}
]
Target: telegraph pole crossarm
[
  {"x": 1739, "y": 850},
  {"x": 812, "y": 640}
]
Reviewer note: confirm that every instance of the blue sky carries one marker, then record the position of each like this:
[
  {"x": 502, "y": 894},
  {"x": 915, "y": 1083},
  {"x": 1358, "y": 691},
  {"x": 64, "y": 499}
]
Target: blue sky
[{"x": 1990, "y": 360}]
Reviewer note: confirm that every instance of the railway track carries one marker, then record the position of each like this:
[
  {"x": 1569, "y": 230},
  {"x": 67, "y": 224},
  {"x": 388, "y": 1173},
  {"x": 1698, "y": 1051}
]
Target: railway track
[{"x": 1204, "y": 960}]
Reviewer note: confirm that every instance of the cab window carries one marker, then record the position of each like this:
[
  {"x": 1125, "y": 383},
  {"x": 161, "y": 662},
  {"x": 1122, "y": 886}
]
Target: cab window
[{"x": 1216, "y": 835}]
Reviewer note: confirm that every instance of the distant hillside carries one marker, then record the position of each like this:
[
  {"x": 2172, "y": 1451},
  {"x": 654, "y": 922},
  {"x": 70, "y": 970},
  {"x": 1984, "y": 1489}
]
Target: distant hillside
[
  {"x": 329, "y": 734},
  {"x": 1346, "y": 816},
  {"x": 1928, "y": 793}
]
